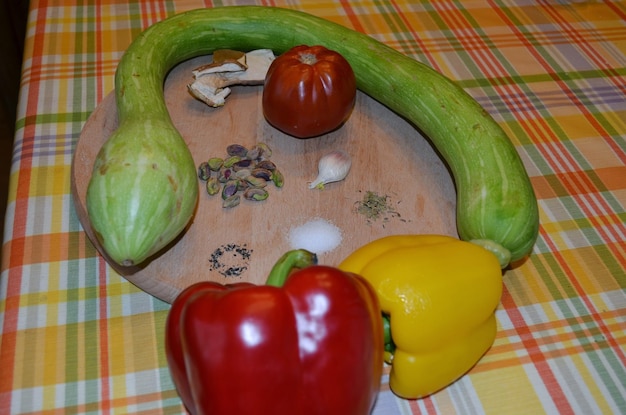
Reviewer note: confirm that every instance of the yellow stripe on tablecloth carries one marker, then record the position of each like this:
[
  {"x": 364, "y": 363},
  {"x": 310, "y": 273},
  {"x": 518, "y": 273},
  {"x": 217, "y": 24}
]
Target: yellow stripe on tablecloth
[
  {"x": 134, "y": 345},
  {"x": 514, "y": 390}
]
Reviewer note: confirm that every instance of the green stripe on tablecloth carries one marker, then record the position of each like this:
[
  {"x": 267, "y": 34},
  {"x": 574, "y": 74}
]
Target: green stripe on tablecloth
[
  {"x": 80, "y": 325},
  {"x": 552, "y": 276},
  {"x": 55, "y": 118}
]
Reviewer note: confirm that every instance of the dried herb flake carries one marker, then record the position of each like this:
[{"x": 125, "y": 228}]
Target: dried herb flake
[{"x": 374, "y": 207}]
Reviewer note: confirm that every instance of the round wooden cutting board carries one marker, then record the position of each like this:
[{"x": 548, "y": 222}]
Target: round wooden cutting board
[{"x": 389, "y": 158}]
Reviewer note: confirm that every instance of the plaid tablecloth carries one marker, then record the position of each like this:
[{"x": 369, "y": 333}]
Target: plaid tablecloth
[{"x": 78, "y": 338}]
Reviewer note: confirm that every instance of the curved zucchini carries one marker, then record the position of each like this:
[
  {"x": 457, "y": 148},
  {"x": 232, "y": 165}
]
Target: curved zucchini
[{"x": 136, "y": 213}]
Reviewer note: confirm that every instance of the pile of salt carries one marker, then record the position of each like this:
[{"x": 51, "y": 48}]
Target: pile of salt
[{"x": 317, "y": 236}]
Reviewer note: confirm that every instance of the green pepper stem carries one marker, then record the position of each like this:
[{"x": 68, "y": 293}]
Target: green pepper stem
[{"x": 298, "y": 258}]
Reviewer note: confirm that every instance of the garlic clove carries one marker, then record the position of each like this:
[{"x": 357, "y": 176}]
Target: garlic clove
[{"x": 332, "y": 167}]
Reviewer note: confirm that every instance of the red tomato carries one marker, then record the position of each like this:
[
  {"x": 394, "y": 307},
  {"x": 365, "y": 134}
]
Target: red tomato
[{"x": 309, "y": 91}]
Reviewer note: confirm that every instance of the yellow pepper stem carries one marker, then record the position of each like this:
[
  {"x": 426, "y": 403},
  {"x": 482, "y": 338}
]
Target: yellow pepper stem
[{"x": 390, "y": 346}]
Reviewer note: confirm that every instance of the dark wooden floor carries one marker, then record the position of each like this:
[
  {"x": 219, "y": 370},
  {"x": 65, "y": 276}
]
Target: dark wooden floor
[{"x": 13, "y": 16}]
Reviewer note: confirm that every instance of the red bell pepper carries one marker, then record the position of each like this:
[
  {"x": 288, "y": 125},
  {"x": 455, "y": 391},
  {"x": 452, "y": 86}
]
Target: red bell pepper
[{"x": 308, "y": 342}]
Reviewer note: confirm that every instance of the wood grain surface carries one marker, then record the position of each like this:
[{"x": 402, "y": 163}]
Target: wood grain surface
[{"x": 389, "y": 158}]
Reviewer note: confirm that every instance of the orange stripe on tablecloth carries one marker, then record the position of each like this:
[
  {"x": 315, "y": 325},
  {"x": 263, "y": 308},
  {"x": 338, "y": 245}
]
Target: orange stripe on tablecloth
[
  {"x": 7, "y": 352},
  {"x": 428, "y": 403},
  {"x": 616, "y": 9},
  {"x": 542, "y": 187},
  {"x": 354, "y": 20},
  {"x": 145, "y": 398},
  {"x": 48, "y": 247},
  {"x": 612, "y": 177}
]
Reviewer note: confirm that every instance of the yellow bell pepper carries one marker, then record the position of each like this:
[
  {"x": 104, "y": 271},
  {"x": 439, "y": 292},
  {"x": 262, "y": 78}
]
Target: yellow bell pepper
[{"x": 439, "y": 295}]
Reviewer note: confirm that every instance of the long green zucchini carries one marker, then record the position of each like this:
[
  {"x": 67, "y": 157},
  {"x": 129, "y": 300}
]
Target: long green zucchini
[{"x": 143, "y": 189}]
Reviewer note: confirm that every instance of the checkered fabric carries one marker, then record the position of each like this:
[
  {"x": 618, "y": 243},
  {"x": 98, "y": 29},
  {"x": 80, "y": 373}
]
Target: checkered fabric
[{"x": 75, "y": 337}]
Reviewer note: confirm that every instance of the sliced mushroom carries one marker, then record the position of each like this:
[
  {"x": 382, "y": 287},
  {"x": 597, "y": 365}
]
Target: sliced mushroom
[
  {"x": 224, "y": 60},
  {"x": 211, "y": 84}
]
